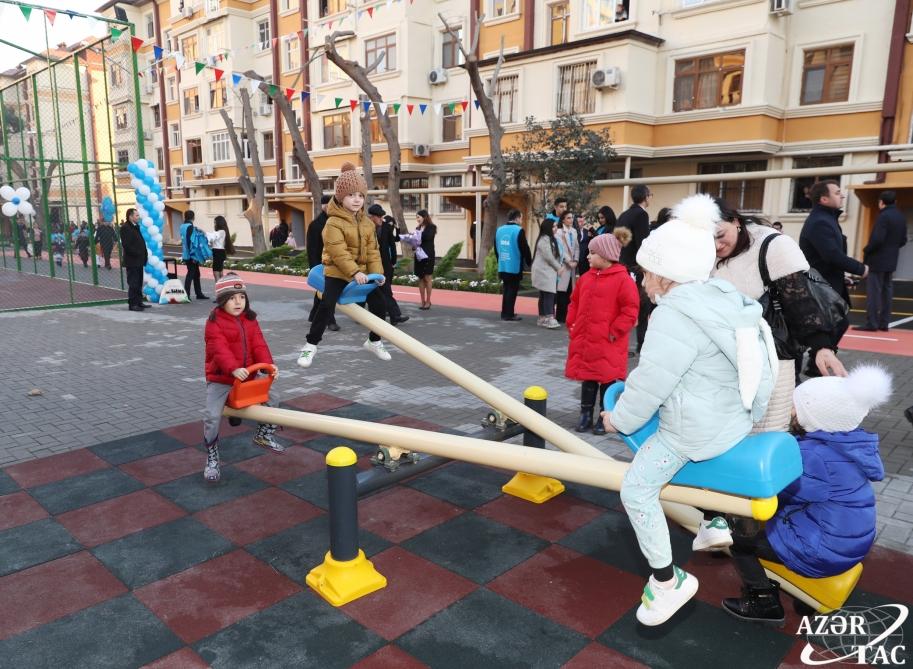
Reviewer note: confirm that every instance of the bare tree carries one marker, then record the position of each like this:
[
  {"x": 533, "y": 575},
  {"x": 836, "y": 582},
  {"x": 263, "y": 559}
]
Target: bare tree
[
  {"x": 366, "y": 157},
  {"x": 497, "y": 170}
]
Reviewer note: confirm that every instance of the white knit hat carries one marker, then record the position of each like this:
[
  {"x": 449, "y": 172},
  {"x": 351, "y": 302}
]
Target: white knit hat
[
  {"x": 837, "y": 404},
  {"x": 683, "y": 249}
]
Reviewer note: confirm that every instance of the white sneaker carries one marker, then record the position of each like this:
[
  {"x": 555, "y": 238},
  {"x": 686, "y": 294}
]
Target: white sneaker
[
  {"x": 552, "y": 324},
  {"x": 306, "y": 357},
  {"x": 377, "y": 348},
  {"x": 658, "y": 604},
  {"x": 712, "y": 535}
]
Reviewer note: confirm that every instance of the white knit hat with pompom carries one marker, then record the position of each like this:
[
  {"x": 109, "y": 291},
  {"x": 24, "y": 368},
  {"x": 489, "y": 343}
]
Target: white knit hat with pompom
[
  {"x": 683, "y": 249},
  {"x": 839, "y": 404}
]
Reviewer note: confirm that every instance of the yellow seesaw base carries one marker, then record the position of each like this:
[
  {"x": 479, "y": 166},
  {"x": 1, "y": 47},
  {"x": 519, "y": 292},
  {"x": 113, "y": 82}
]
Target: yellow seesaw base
[
  {"x": 342, "y": 582},
  {"x": 826, "y": 594},
  {"x": 533, "y": 487}
]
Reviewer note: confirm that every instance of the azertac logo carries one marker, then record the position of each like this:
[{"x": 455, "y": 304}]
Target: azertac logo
[{"x": 856, "y": 635}]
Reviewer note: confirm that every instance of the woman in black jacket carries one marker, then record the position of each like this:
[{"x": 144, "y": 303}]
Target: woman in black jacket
[{"x": 424, "y": 269}]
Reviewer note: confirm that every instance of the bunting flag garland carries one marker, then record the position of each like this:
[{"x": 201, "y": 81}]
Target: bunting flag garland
[
  {"x": 366, "y": 105},
  {"x": 477, "y": 103},
  {"x": 396, "y": 107},
  {"x": 339, "y": 102},
  {"x": 115, "y": 33},
  {"x": 137, "y": 43},
  {"x": 26, "y": 11},
  {"x": 198, "y": 66},
  {"x": 409, "y": 108},
  {"x": 289, "y": 94},
  {"x": 464, "y": 104},
  {"x": 422, "y": 108},
  {"x": 51, "y": 15},
  {"x": 157, "y": 52},
  {"x": 178, "y": 59},
  {"x": 371, "y": 12},
  {"x": 254, "y": 85},
  {"x": 304, "y": 96},
  {"x": 437, "y": 108},
  {"x": 218, "y": 73},
  {"x": 235, "y": 79}
]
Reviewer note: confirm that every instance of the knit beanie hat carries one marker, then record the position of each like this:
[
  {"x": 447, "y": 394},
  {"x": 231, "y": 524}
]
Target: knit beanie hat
[
  {"x": 606, "y": 246},
  {"x": 349, "y": 181},
  {"x": 838, "y": 404},
  {"x": 230, "y": 284},
  {"x": 683, "y": 249}
]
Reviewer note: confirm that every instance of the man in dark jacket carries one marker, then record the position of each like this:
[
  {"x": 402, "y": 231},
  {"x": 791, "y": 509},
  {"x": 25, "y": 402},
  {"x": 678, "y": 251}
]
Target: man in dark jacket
[
  {"x": 192, "y": 264},
  {"x": 314, "y": 246},
  {"x": 387, "y": 236},
  {"x": 104, "y": 236},
  {"x": 135, "y": 257},
  {"x": 512, "y": 252},
  {"x": 880, "y": 255},
  {"x": 637, "y": 220}
]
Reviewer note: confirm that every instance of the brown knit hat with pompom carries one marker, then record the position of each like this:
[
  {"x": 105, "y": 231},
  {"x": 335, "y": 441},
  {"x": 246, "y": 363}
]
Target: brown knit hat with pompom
[{"x": 350, "y": 181}]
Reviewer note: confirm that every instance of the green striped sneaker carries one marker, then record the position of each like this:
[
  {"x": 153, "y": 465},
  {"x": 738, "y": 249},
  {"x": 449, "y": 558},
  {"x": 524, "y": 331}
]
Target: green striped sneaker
[{"x": 658, "y": 604}]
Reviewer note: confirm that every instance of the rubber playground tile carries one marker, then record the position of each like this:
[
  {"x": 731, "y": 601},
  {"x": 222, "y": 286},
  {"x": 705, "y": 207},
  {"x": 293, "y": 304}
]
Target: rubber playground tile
[
  {"x": 408, "y": 421},
  {"x": 486, "y": 630},
  {"x": 879, "y": 574},
  {"x": 115, "y": 518},
  {"x": 611, "y": 539},
  {"x": 898, "y": 644},
  {"x": 153, "y": 554},
  {"x": 597, "y": 655},
  {"x": 215, "y": 594},
  {"x": 191, "y": 434},
  {"x": 553, "y": 520},
  {"x": 400, "y": 513},
  {"x": 295, "y": 462},
  {"x": 462, "y": 484},
  {"x": 77, "y": 581},
  {"x": 302, "y": 631},
  {"x": 257, "y": 516},
  {"x": 19, "y": 508},
  {"x": 316, "y": 403},
  {"x": 297, "y": 550},
  {"x": 166, "y": 467},
  {"x": 128, "y": 449},
  {"x": 608, "y": 499},
  {"x": 185, "y": 658},
  {"x": 118, "y": 633},
  {"x": 364, "y": 412},
  {"x": 390, "y": 657},
  {"x": 296, "y": 435},
  {"x": 696, "y": 633},
  {"x": 311, "y": 488},
  {"x": 238, "y": 447},
  {"x": 7, "y": 483},
  {"x": 55, "y": 468},
  {"x": 194, "y": 494},
  {"x": 416, "y": 590},
  {"x": 80, "y": 491},
  {"x": 27, "y": 545},
  {"x": 475, "y": 547},
  {"x": 327, "y": 443},
  {"x": 579, "y": 592}
]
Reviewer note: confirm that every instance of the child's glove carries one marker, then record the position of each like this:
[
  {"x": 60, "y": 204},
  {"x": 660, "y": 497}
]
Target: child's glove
[{"x": 241, "y": 373}]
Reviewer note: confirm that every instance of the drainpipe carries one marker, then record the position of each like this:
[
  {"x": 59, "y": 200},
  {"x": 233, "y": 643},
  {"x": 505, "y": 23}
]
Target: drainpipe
[
  {"x": 277, "y": 121},
  {"x": 529, "y": 24}
]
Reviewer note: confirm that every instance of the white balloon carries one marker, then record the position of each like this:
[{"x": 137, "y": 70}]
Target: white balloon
[
  {"x": 135, "y": 183},
  {"x": 145, "y": 190},
  {"x": 27, "y": 209},
  {"x": 159, "y": 206},
  {"x": 153, "y": 198},
  {"x": 9, "y": 209},
  {"x": 7, "y": 192},
  {"x": 157, "y": 237},
  {"x": 23, "y": 193},
  {"x": 142, "y": 163},
  {"x": 147, "y": 222}
]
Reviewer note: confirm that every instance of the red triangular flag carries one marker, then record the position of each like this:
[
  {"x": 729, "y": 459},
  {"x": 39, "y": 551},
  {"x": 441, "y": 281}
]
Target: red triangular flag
[
  {"x": 137, "y": 43},
  {"x": 409, "y": 108},
  {"x": 300, "y": 34},
  {"x": 353, "y": 104},
  {"x": 289, "y": 93},
  {"x": 371, "y": 12},
  {"x": 51, "y": 14},
  {"x": 275, "y": 41},
  {"x": 465, "y": 103},
  {"x": 218, "y": 72}
]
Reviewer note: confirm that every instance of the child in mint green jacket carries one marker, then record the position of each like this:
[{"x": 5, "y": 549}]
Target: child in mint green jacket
[{"x": 705, "y": 367}]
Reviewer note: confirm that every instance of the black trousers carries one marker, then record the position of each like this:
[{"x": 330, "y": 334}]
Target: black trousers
[
  {"x": 749, "y": 543},
  {"x": 588, "y": 394},
  {"x": 193, "y": 275},
  {"x": 562, "y": 301},
  {"x": 643, "y": 313},
  {"x": 511, "y": 283},
  {"x": 332, "y": 289},
  {"x": 546, "y": 303},
  {"x": 134, "y": 286},
  {"x": 879, "y": 290},
  {"x": 390, "y": 304},
  {"x": 106, "y": 253},
  {"x": 315, "y": 307}
]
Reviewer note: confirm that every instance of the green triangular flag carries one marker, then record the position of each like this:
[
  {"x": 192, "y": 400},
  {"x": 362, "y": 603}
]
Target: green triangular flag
[
  {"x": 396, "y": 107},
  {"x": 273, "y": 90},
  {"x": 338, "y": 101},
  {"x": 26, "y": 11},
  {"x": 199, "y": 66},
  {"x": 115, "y": 34}
]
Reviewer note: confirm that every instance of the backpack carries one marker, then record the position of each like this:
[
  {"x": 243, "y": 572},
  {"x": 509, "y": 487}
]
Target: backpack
[{"x": 197, "y": 243}]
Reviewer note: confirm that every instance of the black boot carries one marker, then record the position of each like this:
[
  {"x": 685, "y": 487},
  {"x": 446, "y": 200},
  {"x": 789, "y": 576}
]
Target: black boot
[
  {"x": 586, "y": 419},
  {"x": 758, "y": 605},
  {"x": 598, "y": 426}
]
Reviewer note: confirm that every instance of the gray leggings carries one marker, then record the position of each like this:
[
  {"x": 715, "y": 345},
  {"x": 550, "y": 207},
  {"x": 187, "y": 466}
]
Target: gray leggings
[{"x": 216, "y": 394}]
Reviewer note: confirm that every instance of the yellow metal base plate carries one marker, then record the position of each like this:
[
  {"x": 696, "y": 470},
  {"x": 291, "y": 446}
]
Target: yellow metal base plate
[
  {"x": 342, "y": 582},
  {"x": 533, "y": 488},
  {"x": 830, "y": 593}
]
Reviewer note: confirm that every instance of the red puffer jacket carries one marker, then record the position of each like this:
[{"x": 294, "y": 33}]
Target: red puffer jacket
[
  {"x": 604, "y": 303},
  {"x": 231, "y": 343}
]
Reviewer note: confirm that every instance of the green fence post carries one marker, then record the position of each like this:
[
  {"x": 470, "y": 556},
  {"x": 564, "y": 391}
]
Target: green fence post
[
  {"x": 85, "y": 170},
  {"x": 43, "y": 176}
]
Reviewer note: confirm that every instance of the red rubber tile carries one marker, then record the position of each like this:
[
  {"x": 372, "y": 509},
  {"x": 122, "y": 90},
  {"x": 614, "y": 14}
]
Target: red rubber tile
[
  {"x": 192, "y": 433},
  {"x": 166, "y": 467},
  {"x": 793, "y": 659},
  {"x": 115, "y": 518},
  {"x": 215, "y": 594},
  {"x": 407, "y": 421},
  {"x": 52, "y": 590},
  {"x": 18, "y": 509},
  {"x": 185, "y": 658},
  {"x": 389, "y": 657},
  {"x": 572, "y": 589},
  {"x": 401, "y": 513},
  {"x": 880, "y": 571},
  {"x": 597, "y": 655},
  {"x": 552, "y": 520},
  {"x": 55, "y": 468},
  {"x": 416, "y": 590},
  {"x": 298, "y": 436},
  {"x": 276, "y": 470},
  {"x": 317, "y": 402},
  {"x": 257, "y": 516}
]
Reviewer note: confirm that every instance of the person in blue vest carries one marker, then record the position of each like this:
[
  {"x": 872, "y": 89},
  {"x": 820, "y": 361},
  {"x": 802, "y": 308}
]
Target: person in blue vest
[
  {"x": 192, "y": 263},
  {"x": 512, "y": 251}
]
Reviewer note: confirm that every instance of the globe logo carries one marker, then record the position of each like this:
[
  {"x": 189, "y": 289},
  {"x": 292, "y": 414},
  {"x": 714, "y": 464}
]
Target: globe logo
[{"x": 856, "y": 635}]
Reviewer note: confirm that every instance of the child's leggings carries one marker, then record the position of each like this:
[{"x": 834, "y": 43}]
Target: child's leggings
[
  {"x": 653, "y": 467},
  {"x": 216, "y": 394}
]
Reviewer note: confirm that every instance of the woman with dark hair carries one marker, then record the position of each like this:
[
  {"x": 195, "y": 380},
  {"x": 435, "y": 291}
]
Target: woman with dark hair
[
  {"x": 605, "y": 220},
  {"x": 664, "y": 215},
  {"x": 569, "y": 248},
  {"x": 546, "y": 269},
  {"x": 220, "y": 242},
  {"x": 424, "y": 269},
  {"x": 585, "y": 234}
]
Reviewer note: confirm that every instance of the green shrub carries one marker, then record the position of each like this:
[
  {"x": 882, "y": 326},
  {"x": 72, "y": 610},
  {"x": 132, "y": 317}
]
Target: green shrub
[
  {"x": 271, "y": 255},
  {"x": 491, "y": 266},
  {"x": 444, "y": 267},
  {"x": 403, "y": 266}
]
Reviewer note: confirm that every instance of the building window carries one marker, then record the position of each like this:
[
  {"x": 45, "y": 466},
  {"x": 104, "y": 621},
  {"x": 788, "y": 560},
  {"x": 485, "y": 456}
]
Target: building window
[
  {"x": 451, "y": 56},
  {"x": 505, "y": 97},
  {"x": 375, "y": 47},
  {"x": 191, "y": 101},
  {"x": 291, "y": 56},
  {"x": 150, "y": 25},
  {"x": 559, "y": 14},
  {"x": 171, "y": 89},
  {"x": 189, "y": 48},
  {"x": 123, "y": 158},
  {"x": 799, "y": 200},
  {"x": 263, "y": 33},
  {"x": 218, "y": 97},
  {"x": 194, "y": 152},
  {"x": 174, "y": 135},
  {"x": 212, "y": 6},
  {"x": 269, "y": 146},
  {"x": 221, "y": 147},
  {"x": 328, "y": 7},
  {"x": 498, "y": 8},
  {"x": 328, "y": 69},
  {"x": 177, "y": 176},
  {"x": 117, "y": 75},
  {"x": 708, "y": 81},
  {"x": 215, "y": 40},
  {"x": 294, "y": 170},
  {"x": 120, "y": 117},
  {"x": 450, "y": 181},
  {"x": 153, "y": 70},
  {"x": 452, "y": 124},
  {"x": 288, "y": 5},
  {"x": 377, "y": 135},
  {"x": 826, "y": 75},
  {"x": 337, "y": 130},
  {"x": 747, "y": 195},
  {"x": 415, "y": 201},
  {"x": 574, "y": 91},
  {"x": 156, "y": 116},
  {"x": 602, "y": 13},
  {"x": 160, "y": 156}
]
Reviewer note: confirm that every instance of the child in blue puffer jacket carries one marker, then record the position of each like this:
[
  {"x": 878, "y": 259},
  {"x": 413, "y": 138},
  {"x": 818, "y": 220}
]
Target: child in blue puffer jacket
[
  {"x": 706, "y": 367},
  {"x": 825, "y": 520}
]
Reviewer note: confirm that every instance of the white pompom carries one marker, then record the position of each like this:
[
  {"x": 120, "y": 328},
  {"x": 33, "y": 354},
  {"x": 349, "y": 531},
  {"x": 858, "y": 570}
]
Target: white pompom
[
  {"x": 869, "y": 385},
  {"x": 698, "y": 211}
]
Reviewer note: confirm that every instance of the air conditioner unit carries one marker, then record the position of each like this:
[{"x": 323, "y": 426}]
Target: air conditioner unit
[
  {"x": 147, "y": 135},
  {"x": 609, "y": 77},
  {"x": 437, "y": 76},
  {"x": 207, "y": 170},
  {"x": 781, "y": 7},
  {"x": 187, "y": 11},
  {"x": 422, "y": 150},
  {"x": 197, "y": 171}
]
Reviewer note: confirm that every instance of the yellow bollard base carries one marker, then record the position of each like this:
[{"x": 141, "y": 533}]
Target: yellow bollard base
[
  {"x": 342, "y": 582},
  {"x": 533, "y": 488}
]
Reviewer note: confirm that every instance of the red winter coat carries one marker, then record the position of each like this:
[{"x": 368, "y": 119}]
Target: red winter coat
[
  {"x": 231, "y": 343},
  {"x": 604, "y": 303}
]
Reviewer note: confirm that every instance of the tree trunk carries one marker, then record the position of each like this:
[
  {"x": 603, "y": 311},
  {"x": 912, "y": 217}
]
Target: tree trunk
[{"x": 367, "y": 162}]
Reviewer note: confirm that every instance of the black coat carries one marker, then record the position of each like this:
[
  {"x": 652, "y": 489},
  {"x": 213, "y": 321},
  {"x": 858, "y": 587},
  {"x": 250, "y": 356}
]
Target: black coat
[
  {"x": 104, "y": 235},
  {"x": 824, "y": 245},
  {"x": 387, "y": 236},
  {"x": 888, "y": 235},
  {"x": 637, "y": 220},
  {"x": 131, "y": 239},
  {"x": 314, "y": 241}
]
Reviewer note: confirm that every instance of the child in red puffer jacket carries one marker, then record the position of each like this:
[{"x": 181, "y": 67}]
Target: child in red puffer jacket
[
  {"x": 234, "y": 342},
  {"x": 602, "y": 313}
]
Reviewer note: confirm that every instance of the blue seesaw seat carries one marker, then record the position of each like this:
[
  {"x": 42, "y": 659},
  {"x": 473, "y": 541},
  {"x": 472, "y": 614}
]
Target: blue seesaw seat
[
  {"x": 353, "y": 293},
  {"x": 759, "y": 466}
]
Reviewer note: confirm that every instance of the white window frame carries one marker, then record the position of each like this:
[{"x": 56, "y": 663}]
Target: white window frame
[
  {"x": 492, "y": 6},
  {"x": 177, "y": 176},
  {"x": 293, "y": 170},
  {"x": 291, "y": 46},
  {"x": 262, "y": 28},
  {"x": 459, "y": 54},
  {"x": 585, "y": 14},
  {"x": 149, "y": 22},
  {"x": 452, "y": 208},
  {"x": 220, "y": 149},
  {"x": 174, "y": 134},
  {"x": 171, "y": 89},
  {"x": 558, "y": 86},
  {"x": 495, "y": 89}
]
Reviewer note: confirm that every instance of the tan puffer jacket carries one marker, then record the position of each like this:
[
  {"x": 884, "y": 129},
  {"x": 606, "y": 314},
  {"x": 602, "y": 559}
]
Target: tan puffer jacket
[{"x": 349, "y": 244}]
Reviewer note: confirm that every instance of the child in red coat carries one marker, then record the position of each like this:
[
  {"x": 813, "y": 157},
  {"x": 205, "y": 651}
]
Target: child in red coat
[
  {"x": 602, "y": 313},
  {"x": 234, "y": 342}
]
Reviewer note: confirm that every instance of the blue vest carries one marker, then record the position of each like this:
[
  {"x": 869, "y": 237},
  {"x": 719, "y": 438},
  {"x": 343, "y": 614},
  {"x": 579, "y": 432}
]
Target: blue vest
[{"x": 508, "y": 249}]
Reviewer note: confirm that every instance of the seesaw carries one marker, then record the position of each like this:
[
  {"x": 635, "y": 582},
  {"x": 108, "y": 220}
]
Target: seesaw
[{"x": 759, "y": 465}]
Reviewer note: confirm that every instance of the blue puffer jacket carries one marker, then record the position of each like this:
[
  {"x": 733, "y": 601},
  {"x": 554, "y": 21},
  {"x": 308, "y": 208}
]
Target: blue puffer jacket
[{"x": 825, "y": 523}]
